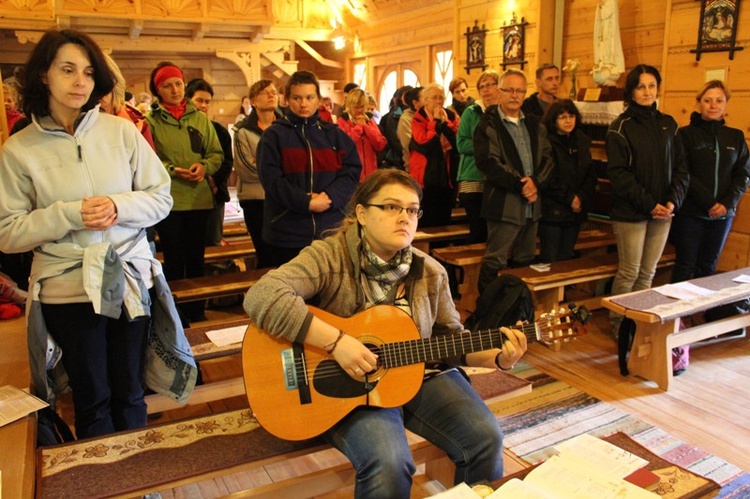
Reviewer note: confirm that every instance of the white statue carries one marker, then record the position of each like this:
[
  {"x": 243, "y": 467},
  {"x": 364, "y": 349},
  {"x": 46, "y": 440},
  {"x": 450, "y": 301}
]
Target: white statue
[{"x": 609, "y": 61}]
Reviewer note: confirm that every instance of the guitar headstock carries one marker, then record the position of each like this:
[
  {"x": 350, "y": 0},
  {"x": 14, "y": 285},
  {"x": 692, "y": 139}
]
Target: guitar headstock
[{"x": 563, "y": 324}]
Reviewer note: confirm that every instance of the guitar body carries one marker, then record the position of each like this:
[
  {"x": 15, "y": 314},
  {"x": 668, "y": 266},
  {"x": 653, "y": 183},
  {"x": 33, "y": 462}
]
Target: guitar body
[{"x": 298, "y": 392}]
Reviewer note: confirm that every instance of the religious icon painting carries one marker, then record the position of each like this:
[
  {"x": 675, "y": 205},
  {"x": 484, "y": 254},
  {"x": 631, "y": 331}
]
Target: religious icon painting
[
  {"x": 717, "y": 30},
  {"x": 514, "y": 42},
  {"x": 475, "y": 47}
]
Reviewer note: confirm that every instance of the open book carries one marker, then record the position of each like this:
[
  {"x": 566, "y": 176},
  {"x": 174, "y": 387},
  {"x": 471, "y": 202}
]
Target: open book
[
  {"x": 567, "y": 476},
  {"x": 585, "y": 467}
]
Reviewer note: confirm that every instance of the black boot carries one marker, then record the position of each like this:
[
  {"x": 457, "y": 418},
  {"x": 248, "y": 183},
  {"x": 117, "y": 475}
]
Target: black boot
[{"x": 487, "y": 274}]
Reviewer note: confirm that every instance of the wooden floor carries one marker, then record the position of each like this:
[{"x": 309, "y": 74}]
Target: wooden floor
[{"x": 707, "y": 407}]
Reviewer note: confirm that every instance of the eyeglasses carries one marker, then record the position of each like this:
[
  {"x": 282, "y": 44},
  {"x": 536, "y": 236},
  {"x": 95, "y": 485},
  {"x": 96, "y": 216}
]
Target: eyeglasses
[
  {"x": 395, "y": 210},
  {"x": 519, "y": 91},
  {"x": 487, "y": 86},
  {"x": 269, "y": 93}
]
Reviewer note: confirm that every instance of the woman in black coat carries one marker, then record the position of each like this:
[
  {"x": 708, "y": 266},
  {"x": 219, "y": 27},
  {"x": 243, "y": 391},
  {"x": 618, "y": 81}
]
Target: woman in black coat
[
  {"x": 717, "y": 157},
  {"x": 567, "y": 195}
]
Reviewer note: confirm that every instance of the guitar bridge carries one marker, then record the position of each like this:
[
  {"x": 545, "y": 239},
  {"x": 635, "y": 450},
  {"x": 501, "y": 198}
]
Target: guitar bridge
[{"x": 295, "y": 372}]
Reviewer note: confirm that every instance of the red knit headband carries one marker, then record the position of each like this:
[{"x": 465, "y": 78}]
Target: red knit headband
[{"x": 165, "y": 73}]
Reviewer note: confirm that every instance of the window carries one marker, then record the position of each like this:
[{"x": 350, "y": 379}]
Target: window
[
  {"x": 360, "y": 75},
  {"x": 444, "y": 70},
  {"x": 386, "y": 91},
  {"x": 390, "y": 85}
]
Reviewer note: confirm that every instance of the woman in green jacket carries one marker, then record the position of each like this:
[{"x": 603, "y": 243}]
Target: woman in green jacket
[
  {"x": 187, "y": 144},
  {"x": 471, "y": 180}
]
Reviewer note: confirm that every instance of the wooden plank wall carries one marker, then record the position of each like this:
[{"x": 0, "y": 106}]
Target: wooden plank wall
[{"x": 683, "y": 76}]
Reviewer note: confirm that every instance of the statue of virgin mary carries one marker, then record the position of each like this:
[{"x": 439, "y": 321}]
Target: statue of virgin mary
[{"x": 609, "y": 61}]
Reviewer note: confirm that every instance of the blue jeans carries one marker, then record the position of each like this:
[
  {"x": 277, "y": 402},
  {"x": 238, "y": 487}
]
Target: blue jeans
[
  {"x": 698, "y": 243},
  {"x": 104, "y": 360},
  {"x": 447, "y": 412},
  {"x": 557, "y": 240},
  {"x": 639, "y": 247}
]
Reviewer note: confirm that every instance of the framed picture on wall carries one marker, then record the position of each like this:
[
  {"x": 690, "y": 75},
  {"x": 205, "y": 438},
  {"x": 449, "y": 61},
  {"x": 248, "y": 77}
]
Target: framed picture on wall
[
  {"x": 717, "y": 30},
  {"x": 475, "y": 47},
  {"x": 514, "y": 42}
]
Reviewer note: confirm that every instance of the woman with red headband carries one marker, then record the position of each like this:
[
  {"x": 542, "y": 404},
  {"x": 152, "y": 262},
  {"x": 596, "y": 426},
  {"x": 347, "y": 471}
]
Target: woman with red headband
[{"x": 188, "y": 146}]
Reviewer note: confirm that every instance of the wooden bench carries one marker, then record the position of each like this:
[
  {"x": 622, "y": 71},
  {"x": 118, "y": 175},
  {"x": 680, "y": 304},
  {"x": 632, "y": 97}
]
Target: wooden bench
[
  {"x": 17, "y": 439},
  {"x": 657, "y": 319},
  {"x": 424, "y": 237},
  {"x": 234, "y": 229},
  {"x": 548, "y": 288},
  {"x": 308, "y": 468},
  {"x": 469, "y": 259},
  {"x": 214, "y": 286},
  {"x": 212, "y": 254}
]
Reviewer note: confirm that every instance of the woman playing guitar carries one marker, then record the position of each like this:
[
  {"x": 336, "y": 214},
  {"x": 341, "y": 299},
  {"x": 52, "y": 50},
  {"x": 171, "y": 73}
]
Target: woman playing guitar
[{"x": 370, "y": 262}]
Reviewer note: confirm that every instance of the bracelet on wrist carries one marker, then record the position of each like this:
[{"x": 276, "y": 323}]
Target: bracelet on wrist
[
  {"x": 329, "y": 348},
  {"x": 497, "y": 363}
]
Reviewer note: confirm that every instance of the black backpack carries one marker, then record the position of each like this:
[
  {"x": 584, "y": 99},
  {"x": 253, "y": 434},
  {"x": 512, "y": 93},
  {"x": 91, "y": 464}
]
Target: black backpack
[{"x": 505, "y": 301}]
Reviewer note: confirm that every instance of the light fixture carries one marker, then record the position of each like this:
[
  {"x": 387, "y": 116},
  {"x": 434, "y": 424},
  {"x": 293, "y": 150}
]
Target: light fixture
[{"x": 339, "y": 37}]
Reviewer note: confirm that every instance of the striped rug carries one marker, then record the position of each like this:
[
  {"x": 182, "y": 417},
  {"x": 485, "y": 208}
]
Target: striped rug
[{"x": 555, "y": 411}]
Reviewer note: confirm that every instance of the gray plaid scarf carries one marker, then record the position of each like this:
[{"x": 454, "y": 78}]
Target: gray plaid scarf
[{"x": 381, "y": 278}]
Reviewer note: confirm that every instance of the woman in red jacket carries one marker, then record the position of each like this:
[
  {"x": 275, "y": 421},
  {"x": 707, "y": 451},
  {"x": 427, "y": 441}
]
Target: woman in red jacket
[
  {"x": 363, "y": 130},
  {"x": 433, "y": 157}
]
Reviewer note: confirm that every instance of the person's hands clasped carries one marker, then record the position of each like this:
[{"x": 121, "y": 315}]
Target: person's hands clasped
[
  {"x": 354, "y": 357},
  {"x": 98, "y": 213},
  {"x": 663, "y": 212},
  {"x": 319, "y": 202},
  {"x": 575, "y": 205},
  {"x": 529, "y": 190},
  {"x": 717, "y": 211},
  {"x": 514, "y": 347}
]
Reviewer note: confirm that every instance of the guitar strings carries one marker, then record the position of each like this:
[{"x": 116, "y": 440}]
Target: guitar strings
[{"x": 411, "y": 349}]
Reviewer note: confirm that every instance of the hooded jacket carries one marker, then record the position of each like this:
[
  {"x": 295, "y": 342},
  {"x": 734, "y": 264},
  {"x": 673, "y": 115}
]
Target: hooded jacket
[
  {"x": 182, "y": 143},
  {"x": 717, "y": 158},
  {"x": 297, "y": 157},
  {"x": 645, "y": 163}
]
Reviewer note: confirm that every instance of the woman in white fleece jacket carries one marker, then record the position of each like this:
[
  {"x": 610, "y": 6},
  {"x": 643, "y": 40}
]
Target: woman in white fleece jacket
[{"x": 79, "y": 187}]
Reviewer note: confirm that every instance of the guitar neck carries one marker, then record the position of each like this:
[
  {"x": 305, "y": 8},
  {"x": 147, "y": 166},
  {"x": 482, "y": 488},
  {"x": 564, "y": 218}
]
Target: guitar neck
[{"x": 449, "y": 345}]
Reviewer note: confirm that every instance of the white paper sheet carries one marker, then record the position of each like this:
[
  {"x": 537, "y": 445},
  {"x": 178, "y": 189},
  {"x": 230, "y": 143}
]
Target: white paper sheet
[
  {"x": 16, "y": 403},
  {"x": 227, "y": 336},
  {"x": 683, "y": 291}
]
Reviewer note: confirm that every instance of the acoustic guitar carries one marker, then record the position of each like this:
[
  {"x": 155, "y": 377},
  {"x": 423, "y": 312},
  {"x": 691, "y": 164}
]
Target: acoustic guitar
[{"x": 297, "y": 391}]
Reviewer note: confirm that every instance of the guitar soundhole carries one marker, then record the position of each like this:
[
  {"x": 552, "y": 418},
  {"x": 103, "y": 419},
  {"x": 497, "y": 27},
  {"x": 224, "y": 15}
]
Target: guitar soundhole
[{"x": 332, "y": 381}]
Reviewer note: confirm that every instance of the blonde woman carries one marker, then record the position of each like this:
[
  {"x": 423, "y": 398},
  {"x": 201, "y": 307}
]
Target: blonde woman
[{"x": 363, "y": 130}]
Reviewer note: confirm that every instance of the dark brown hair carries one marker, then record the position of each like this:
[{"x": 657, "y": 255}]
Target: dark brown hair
[{"x": 36, "y": 93}]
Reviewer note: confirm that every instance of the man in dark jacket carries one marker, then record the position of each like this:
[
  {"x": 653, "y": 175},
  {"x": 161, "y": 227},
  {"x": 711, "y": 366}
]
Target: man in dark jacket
[
  {"x": 308, "y": 168},
  {"x": 547, "y": 84},
  {"x": 513, "y": 153}
]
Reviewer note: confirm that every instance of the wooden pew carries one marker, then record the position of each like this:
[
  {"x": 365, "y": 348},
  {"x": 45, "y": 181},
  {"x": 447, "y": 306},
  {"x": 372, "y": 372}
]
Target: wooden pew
[
  {"x": 204, "y": 349},
  {"x": 243, "y": 250},
  {"x": 469, "y": 258},
  {"x": 658, "y": 326},
  {"x": 234, "y": 229},
  {"x": 17, "y": 439},
  {"x": 313, "y": 469},
  {"x": 548, "y": 288},
  {"x": 424, "y": 237},
  {"x": 214, "y": 286}
]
